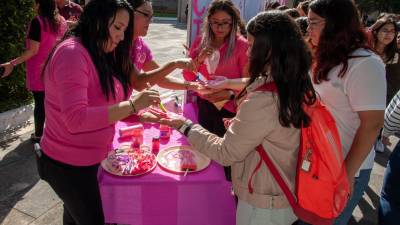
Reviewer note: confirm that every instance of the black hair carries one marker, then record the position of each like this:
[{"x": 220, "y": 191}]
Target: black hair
[
  {"x": 390, "y": 49},
  {"x": 93, "y": 31},
  {"x": 302, "y": 22},
  {"x": 271, "y": 5},
  {"x": 292, "y": 13},
  {"x": 279, "y": 51},
  {"x": 48, "y": 10},
  {"x": 137, "y": 3}
]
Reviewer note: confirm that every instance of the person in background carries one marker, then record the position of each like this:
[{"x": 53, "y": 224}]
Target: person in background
[
  {"x": 384, "y": 33},
  {"x": 271, "y": 5},
  {"x": 389, "y": 207},
  {"x": 142, "y": 56},
  {"x": 302, "y": 22},
  {"x": 263, "y": 118},
  {"x": 282, "y": 7},
  {"x": 45, "y": 29},
  {"x": 350, "y": 80},
  {"x": 292, "y": 13},
  {"x": 302, "y": 7},
  {"x": 70, "y": 10},
  {"x": 88, "y": 80},
  {"x": 398, "y": 35},
  {"x": 221, "y": 35}
]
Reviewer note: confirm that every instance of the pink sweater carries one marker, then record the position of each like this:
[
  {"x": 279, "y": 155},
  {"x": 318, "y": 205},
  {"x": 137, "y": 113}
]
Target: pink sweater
[
  {"x": 77, "y": 130},
  {"x": 233, "y": 68}
]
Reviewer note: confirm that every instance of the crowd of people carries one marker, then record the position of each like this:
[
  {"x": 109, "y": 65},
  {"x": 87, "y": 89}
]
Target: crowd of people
[{"x": 89, "y": 68}]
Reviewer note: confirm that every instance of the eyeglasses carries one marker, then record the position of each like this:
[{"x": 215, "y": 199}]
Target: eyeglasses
[
  {"x": 147, "y": 15},
  {"x": 315, "y": 23},
  {"x": 387, "y": 31},
  {"x": 224, "y": 25}
]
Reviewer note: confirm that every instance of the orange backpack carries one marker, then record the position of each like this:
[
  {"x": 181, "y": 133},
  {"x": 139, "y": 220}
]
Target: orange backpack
[{"x": 321, "y": 188}]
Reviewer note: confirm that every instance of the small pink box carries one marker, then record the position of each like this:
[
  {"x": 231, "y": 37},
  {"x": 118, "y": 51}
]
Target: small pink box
[{"x": 135, "y": 130}]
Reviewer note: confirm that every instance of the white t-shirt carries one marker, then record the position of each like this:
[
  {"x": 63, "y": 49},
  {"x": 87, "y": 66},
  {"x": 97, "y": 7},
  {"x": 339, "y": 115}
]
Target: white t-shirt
[{"x": 362, "y": 88}]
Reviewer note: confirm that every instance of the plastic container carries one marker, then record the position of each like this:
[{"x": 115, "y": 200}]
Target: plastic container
[
  {"x": 165, "y": 131},
  {"x": 155, "y": 147},
  {"x": 135, "y": 130}
]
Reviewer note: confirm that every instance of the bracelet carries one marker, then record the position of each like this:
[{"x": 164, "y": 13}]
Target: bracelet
[
  {"x": 14, "y": 62},
  {"x": 187, "y": 84},
  {"x": 186, "y": 126},
  {"x": 186, "y": 132},
  {"x": 134, "y": 111}
]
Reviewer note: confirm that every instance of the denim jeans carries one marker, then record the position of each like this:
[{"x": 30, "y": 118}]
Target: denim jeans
[
  {"x": 360, "y": 185},
  {"x": 389, "y": 208}
]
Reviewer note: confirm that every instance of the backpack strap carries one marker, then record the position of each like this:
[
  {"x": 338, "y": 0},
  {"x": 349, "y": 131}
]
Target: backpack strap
[
  {"x": 268, "y": 87},
  {"x": 274, "y": 171},
  {"x": 271, "y": 87}
]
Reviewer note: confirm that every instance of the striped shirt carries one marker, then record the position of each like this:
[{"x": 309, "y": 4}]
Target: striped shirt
[{"x": 392, "y": 117}]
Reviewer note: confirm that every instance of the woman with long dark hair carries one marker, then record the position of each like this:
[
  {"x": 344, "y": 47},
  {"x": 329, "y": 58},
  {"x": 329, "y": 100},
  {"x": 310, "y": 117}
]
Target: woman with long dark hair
[
  {"x": 278, "y": 57},
  {"x": 384, "y": 33},
  {"x": 88, "y": 81},
  {"x": 44, "y": 31},
  {"x": 350, "y": 80}
]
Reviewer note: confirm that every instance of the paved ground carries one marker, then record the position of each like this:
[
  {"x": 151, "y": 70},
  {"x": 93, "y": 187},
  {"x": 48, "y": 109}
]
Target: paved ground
[{"x": 24, "y": 199}]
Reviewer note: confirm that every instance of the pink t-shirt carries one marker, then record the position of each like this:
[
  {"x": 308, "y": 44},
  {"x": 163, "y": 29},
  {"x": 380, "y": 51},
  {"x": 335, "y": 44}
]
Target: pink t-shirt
[
  {"x": 140, "y": 53},
  {"x": 77, "y": 130},
  {"x": 231, "y": 68},
  {"x": 48, "y": 40}
]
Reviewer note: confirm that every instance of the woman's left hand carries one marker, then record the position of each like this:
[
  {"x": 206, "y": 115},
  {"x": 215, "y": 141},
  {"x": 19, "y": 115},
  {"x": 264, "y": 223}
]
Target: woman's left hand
[
  {"x": 8, "y": 68},
  {"x": 218, "y": 96}
]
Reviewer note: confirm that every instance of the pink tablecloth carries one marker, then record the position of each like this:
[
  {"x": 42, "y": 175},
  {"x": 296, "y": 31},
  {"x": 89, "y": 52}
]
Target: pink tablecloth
[{"x": 162, "y": 198}]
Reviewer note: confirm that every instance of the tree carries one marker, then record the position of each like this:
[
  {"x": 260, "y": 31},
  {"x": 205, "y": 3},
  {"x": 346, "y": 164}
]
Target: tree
[{"x": 15, "y": 15}]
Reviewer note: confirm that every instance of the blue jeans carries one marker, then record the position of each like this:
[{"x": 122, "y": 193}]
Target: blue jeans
[
  {"x": 360, "y": 185},
  {"x": 389, "y": 208}
]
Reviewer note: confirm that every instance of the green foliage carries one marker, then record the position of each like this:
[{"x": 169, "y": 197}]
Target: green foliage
[
  {"x": 368, "y": 6},
  {"x": 15, "y": 16}
]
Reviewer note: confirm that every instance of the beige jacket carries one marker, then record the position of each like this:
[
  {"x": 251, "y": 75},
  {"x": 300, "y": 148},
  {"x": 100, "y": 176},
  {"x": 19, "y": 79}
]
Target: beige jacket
[{"x": 256, "y": 122}]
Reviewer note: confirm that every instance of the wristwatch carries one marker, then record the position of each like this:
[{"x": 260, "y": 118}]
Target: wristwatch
[{"x": 185, "y": 128}]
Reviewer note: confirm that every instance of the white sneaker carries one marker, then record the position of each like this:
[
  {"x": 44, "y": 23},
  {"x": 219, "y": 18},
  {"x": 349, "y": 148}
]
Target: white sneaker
[{"x": 379, "y": 147}]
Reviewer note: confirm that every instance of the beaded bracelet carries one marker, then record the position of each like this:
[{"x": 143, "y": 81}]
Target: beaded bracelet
[{"x": 14, "y": 62}]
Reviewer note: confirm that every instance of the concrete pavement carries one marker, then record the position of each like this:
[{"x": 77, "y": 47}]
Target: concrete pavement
[{"x": 25, "y": 199}]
